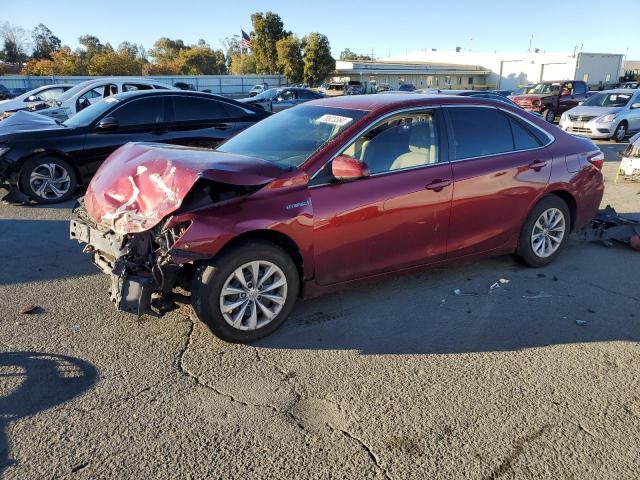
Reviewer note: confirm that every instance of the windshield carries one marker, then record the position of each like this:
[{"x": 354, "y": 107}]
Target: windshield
[
  {"x": 267, "y": 94},
  {"x": 73, "y": 90},
  {"x": 544, "y": 88},
  {"x": 290, "y": 137},
  {"x": 91, "y": 113},
  {"x": 608, "y": 100}
]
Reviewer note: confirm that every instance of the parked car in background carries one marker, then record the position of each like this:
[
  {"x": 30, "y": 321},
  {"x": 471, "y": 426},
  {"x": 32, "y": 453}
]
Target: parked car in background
[
  {"x": 185, "y": 86},
  {"x": 358, "y": 187},
  {"x": 36, "y": 97},
  {"x": 335, "y": 89},
  {"x": 551, "y": 99},
  {"x": 5, "y": 94},
  {"x": 258, "y": 89},
  {"x": 635, "y": 84},
  {"x": 17, "y": 91},
  {"x": 610, "y": 114},
  {"x": 84, "y": 94},
  {"x": 46, "y": 160},
  {"x": 322, "y": 89},
  {"x": 356, "y": 90},
  {"x": 278, "y": 99},
  {"x": 383, "y": 87},
  {"x": 406, "y": 87}
]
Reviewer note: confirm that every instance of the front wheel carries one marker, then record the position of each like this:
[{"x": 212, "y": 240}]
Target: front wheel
[
  {"x": 247, "y": 292},
  {"x": 549, "y": 115},
  {"x": 620, "y": 132},
  {"x": 48, "y": 180},
  {"x": 544, "y": 233}
]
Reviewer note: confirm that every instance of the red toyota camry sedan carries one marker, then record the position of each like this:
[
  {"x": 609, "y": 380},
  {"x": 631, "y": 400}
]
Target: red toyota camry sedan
[{"x": 329, "y": 193}]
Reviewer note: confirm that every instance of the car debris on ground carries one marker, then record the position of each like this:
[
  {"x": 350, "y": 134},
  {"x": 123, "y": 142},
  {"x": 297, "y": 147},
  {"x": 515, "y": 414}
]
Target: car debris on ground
[{"x": 609, "y": 226}]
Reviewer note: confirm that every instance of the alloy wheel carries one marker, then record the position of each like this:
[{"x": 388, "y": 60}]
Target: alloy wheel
[
  {"x": 50, "y": 181},
  {"x": 548, "y": 233},
  {"x": 253, "y": 295},
  {"x": 621, "y": 132}
]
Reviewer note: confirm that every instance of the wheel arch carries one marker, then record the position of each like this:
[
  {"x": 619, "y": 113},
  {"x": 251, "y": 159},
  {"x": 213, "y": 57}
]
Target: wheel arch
[
  {"x": 276, "y": 237},
  {"x": 569, "y": 200}
]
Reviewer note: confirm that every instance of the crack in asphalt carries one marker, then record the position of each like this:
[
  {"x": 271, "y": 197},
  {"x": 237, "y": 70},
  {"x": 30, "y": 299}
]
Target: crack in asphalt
[
  {"x": 518, "y": 448},
  {"x": 374, "y": 458},
  {"x": 182, "y": 368},
  {"x": 287, "y": 412}
]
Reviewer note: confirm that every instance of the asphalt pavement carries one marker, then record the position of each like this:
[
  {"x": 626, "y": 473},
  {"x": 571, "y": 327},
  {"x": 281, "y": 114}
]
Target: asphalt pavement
[{"x": 401, "y": 379}]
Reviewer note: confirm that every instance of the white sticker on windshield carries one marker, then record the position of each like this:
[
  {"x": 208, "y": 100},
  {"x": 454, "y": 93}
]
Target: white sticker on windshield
[
  {"x": 110, "y": 99},
  {"x": 334, "y": 119}
]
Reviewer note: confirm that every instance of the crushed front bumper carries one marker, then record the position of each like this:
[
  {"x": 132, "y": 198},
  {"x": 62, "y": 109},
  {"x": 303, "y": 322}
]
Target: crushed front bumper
[{"x": 130, "y": 291}]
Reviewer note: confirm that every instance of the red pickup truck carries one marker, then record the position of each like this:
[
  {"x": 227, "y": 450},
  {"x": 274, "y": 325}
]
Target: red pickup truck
[{"x": 551, "y": 99}]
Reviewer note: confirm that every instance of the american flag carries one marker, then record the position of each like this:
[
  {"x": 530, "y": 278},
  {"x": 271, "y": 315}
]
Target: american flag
[{"x": 246, "y": 40}]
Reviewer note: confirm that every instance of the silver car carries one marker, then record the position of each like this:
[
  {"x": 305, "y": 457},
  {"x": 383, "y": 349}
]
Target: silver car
[{"x": 608, "y": 114}]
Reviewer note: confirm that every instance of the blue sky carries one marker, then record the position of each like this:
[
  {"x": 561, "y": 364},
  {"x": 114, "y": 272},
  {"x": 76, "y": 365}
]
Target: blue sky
[{"x": 384, "y": 27}]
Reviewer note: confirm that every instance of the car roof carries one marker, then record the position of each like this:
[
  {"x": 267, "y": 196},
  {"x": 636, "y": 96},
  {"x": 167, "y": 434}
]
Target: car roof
[
  {"x": 629, "y": 91},
  {"x": 182, "y": 93},
  {"x": 123, "y": 79},
  {"x": 377, "y": 102}
]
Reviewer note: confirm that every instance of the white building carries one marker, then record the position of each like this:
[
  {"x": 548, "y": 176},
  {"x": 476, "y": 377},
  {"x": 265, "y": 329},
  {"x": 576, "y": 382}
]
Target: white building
[
  {"x": 420, "y": 74},
  {"x": 510, "y": 70}
]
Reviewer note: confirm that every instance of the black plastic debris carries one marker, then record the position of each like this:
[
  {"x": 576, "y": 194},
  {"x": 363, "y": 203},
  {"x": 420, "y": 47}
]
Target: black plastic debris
[{"x": 609, "y": 226}]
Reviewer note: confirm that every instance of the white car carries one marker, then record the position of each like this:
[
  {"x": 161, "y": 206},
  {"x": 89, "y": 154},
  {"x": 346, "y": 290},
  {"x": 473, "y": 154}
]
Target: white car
[
  {"x": 258, "y": 89},
  {"x": 608, "y": 114},
  {"x": 33, "y": 97},
  {"x": 87, "y": 93}
]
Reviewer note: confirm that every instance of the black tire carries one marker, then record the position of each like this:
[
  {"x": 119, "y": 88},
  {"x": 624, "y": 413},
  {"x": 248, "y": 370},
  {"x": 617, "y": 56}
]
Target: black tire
[
  {"x": 620, "y": 132},
  {"x": 60, "y": 167},
  {"x": 549, "y": 115},
  {"x": 525, "y": 252},
  {"x": 211, "y": 276}
]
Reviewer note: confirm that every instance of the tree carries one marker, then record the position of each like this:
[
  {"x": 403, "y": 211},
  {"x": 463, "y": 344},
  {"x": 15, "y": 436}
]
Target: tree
[
  {"x": 166, "y": 50},
  {"x": 290, "y": 61},
  {"x": 242, "y": 64},
  {"x": 267, "y": 30},
  {"x": 62, "y": 62},
  {"x": 347, "y": 54},
  {"x": 126, "y": 60},
  {"x": 201, "y": 60},
  {"x": 44, "y": 43},
  {"x": 15, "y": 43},
  {"x": 318, "y": 62}
]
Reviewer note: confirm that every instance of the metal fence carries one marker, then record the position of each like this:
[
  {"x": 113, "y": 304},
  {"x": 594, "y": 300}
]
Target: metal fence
[{"x": 228, "y": 85}]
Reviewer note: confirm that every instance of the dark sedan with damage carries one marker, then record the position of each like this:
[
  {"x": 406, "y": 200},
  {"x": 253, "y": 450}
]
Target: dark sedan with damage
[
  {"x": 360, "y": 187},
  {"x": 46, "y": 160}
]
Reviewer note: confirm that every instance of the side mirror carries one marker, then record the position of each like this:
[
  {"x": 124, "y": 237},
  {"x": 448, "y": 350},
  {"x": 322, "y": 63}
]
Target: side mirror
[
  {"x": 635, "y": 105},
  {"x": 344, "y": 167},
  {"x": 107, "y": 123}
]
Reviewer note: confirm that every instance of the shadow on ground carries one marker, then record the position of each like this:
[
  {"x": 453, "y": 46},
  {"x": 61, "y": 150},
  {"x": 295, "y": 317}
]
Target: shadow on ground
[
  {"x": 39, "y": 250},
  {"x": 420, "y": 314},
  {"x": 31, "y": 382}
]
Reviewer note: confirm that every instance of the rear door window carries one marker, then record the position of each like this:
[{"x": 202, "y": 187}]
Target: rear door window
[
  {"x": 144, "y": 111},
  {"x": 197, "y": 109},
  {"x": 479, "y": 131},
  {"x": 134, "y": 87}
]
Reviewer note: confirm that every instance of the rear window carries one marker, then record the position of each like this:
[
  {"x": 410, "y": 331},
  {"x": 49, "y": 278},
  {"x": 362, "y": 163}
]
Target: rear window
[{"x": 479, "y": 131}]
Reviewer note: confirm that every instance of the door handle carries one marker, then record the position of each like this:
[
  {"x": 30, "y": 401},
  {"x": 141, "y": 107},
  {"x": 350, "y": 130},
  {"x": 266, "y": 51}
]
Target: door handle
[
  {"x": 437, "y": 185},
  {"x": 537, "y": 165},
  {"x": 222, "y": 126},
  {"x": 160, "y": 131}
]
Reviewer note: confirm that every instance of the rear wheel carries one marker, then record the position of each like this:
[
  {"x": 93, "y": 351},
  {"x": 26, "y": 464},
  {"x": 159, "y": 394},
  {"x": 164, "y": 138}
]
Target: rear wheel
[
  {"x": 544, "y": 233},
  {"x": 48, "y": 180},
  {"x": 247, "y": 292}
]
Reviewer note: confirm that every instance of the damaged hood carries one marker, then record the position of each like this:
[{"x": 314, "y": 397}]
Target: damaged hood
[
  {"x": 140, "y": 183},
  {"x": 23, "y": 121}
]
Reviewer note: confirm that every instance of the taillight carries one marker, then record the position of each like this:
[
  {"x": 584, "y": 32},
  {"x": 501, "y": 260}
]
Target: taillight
[{"x": 596, "y": 159}]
